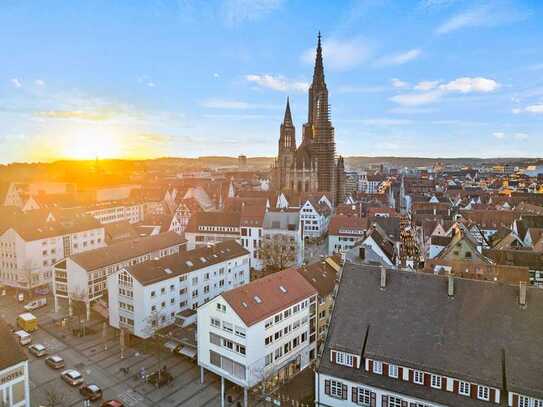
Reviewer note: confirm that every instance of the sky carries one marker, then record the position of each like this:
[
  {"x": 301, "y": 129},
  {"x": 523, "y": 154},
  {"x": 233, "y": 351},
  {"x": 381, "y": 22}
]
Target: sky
[{"x": 150, "y": 78}]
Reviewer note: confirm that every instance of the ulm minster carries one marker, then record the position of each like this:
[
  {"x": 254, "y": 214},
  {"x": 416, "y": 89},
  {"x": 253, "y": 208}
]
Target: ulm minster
[{"x": 253, "y": 275}]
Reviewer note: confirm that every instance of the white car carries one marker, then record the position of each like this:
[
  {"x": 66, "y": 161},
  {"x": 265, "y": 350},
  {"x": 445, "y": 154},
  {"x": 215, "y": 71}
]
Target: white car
[
  {"x": 72, "y": 377},
  {"x": 38, "y": 350}
]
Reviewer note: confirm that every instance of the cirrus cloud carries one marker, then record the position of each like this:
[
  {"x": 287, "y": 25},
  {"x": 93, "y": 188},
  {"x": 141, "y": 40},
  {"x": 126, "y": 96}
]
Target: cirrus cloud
[
  {"x": 399, "y": 59},
  {"x": 278, "y": 83}
]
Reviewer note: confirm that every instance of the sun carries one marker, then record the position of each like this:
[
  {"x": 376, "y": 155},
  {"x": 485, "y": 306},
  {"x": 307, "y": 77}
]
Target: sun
[{"x": 89, "y": 143}]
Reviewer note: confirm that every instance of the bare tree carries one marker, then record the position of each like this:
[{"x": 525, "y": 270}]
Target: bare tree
[
  {"x": 278, "y": 252},
  {"x": 78, "y": 308},
  {"x": 54, "y": 397},
  {"x": 154, "y": 322}
]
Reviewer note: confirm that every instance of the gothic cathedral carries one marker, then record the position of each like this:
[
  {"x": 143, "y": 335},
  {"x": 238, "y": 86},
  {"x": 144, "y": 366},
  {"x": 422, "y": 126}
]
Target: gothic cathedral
[{"x": 312, "y": 166}]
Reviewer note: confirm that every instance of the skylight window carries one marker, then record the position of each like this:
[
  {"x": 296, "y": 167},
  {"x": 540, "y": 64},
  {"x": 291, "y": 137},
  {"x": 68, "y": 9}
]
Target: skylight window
[
  {"x": 189, "y": 263},
  {"x": 203, "y": 259},
  {"x": 244, "y": 304},
  {"x": 258, "y": 300},
  {"x": 283, "y": 289},
  {"x": 168, "y": 271}
]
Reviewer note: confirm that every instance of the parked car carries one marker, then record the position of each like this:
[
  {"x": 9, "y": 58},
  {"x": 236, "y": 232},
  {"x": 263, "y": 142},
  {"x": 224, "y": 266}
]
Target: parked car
[
  {"x": 38, "y": 350},
  {"x": 35, "y": 304},
  {"x": 72, "y": 377},
  {"x": 23, "y": 337},
  {"x": 54, "y": 361},
  {"x": 91, "y": 392},
  {"x": 112, "y": 403}
]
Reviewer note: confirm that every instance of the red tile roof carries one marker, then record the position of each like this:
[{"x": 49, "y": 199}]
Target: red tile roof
[
  {"x": 272, "y": 298},
  {"x": 341, "y": 224}
]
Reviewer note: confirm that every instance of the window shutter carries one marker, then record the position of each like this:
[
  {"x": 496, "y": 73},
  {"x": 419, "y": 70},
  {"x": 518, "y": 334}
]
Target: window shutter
[
  {"x": 456, "y": 386},
  {"x": 370, "y": 366},
  {"x": 384, "y": 401},
  {"x": 427, "y": 377},
  {"x": 404, "y": 403},
  {"x": 492, "y": 395},
  {"x": 473, "y": 391},
  {"x": 354, "y": 394},
  {"x": 344, "y": 391},
  {"x": 515, "y": 400},
  {"x": 327, "y": 387},
  {"x": 373, "y": 399},
  {"x": 443, "y": 383},
  {"x": 400, "y": 373},
  {"x": 411, "y": 375},
  {"x": 333, "y": 356},
  {"x": 385, "y": 369},
  {"x": 355, "y": 362}
]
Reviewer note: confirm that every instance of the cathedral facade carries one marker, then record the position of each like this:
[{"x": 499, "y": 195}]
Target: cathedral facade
[{"x": 312, "y": 166}]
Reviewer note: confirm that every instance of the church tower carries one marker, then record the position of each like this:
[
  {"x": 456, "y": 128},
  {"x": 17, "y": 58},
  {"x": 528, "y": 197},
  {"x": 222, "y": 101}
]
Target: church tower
[
  {"x": 319, "y": 129},
  {"x": 287, "y": 148}
]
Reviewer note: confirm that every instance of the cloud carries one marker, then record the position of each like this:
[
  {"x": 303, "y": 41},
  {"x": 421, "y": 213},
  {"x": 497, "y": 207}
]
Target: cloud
[
  {"x": 489, "y": 15},
  {"x": 151, "y": 84},
  {"x": 499, "y": 135},
  {"x": 76, "y": 114},
  {"x": 538, "y": 109},
  {"x": 520, "y": 136},
  {"x": 216, "y": 75},
  {"x": 399, "y": 59},
  {"x": 39, "y": 82},
  {"x": 426, "y": 85},
  {"x": 399, "y": 84},
  {"x": 278, "y": 83},
  {"x": 16, "y": 83},
  {"x": 468, "y": 85},
  {"x": 341, "y": 54},
  {"x": 433, "y": 92},
  {"x": 238, "y": 11},
  {"x": 416, "y": 99}
]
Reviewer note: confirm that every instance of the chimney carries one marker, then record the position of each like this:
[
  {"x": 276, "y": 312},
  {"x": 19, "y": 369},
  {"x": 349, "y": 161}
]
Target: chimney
[
  {"x": 450, "y": 288},
  {"x": 383, "y": 277},
  {"x": 522, "y": 294}
]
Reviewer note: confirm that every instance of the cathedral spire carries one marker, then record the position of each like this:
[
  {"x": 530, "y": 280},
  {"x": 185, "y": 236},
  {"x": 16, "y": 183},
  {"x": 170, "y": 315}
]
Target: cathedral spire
[
  {"x": 287, "y": 121},
  {"x": 318, "y": 72}
]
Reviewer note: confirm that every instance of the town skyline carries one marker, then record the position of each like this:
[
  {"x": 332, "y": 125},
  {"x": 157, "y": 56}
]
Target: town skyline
[{"x": 414, "y": 90}]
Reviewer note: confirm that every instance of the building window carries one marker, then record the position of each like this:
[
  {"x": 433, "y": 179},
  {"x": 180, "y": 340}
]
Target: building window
[
  {"x": 436, "y": 381},
  {"x": 269, "y": 359},
  {"x": 393, "y": 371},
  {"x": 336, "y": 389},
  {"x": 215, "y": 322},
  {"x": 268, "y": 340},
  {"x": 418, "y": 377},
  {"x": 240, "y": 331},
  {"x": 523, "y": 401},
  {"x": 227, "y": 326},
  {"x": 268, "y": 323},
  {"x": 364, "y": 396},
  {"x": 394, "y": 401},
  {"x": 483, "y": 393},
  {"x": 344, "y": 359},
  {"x": 377, "y": 367},
  {"x": 538, "y": 403},
  {"x": 464, "y": 388}
]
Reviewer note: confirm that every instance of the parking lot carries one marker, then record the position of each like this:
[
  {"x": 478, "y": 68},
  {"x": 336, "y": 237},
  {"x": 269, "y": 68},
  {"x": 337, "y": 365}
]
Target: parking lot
[{"x": 98, "y": 359}]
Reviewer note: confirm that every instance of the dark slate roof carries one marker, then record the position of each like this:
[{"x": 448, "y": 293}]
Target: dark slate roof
[
  {"x": 517, "y": 257},
  {"x": 153, "y": 271},
  {"x": 391, "y": 226},
  {"x": 126, "y": 249},
  {"x": 441, "y": 240},
  {"x": 414, "y": 323},
  {"x": 320, "y": 275},
  {"x": 528, "y": 222},
  {"x": 10, "y": 351}
]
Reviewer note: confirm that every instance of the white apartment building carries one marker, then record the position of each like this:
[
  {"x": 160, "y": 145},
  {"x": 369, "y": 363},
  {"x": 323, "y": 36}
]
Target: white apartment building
[
  {"x": 251, "y": 228},
  {"x": 258, "y": 333},
  {"x": 285, "y": 222},
  {"x": 345, "y": 232},
  {"x": 31, "y": 243},
  {"x": 83, "y": 276},
  {"x": 117, "y": 212},
  {"x": 315, "y": 218},
  {"x": 211, "y": 227},
  {"x": 148, "y": 296},
  {"x": 14, "y": 380}
]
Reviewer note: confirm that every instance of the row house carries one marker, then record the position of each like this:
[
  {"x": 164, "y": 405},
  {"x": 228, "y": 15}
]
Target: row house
[
  {"x": 251, "y": 229},
  {"x": 117, "y": 212},
  {"x": 211, "y": 227},
  {"x": 401, "y": 339},
  {"x": 285, "y": 224},
  {"x": 258, "y": 333},
  {"x": 370, "y": 184},
  {"x": 315, "y": 217},
  {"x": 345, "y": 232},
  {"x": 31, "y": 243},
  {"x": 149, "y": 296},
  {"x": 83, "y": 276}
]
